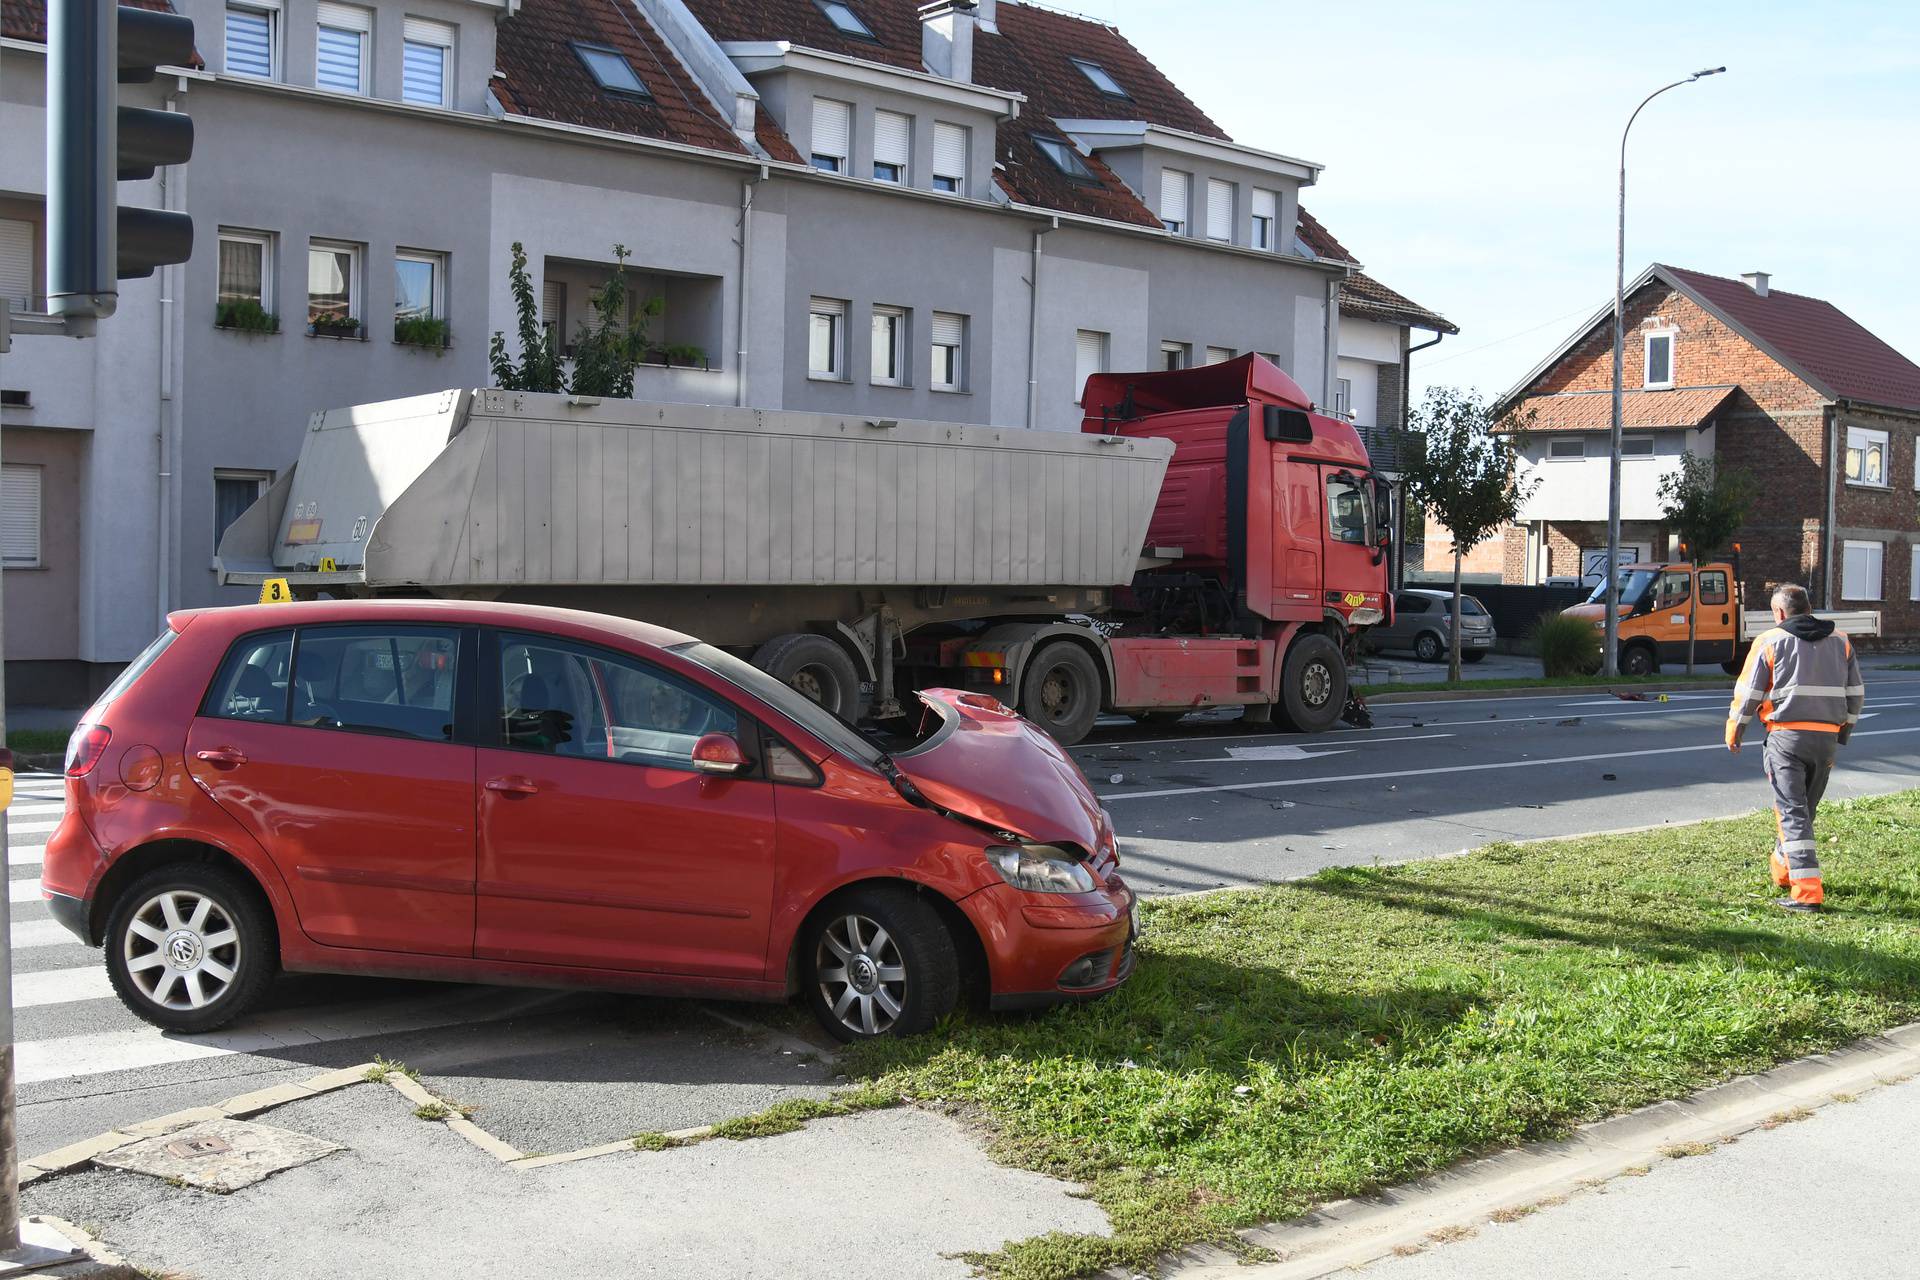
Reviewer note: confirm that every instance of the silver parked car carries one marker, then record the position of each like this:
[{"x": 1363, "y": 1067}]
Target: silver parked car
[{"x": 1422, "y": 619}]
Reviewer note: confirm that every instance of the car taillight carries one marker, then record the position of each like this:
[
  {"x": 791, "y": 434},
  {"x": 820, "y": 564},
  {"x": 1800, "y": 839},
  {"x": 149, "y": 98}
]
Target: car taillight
[{"x": 85, "y": 747}]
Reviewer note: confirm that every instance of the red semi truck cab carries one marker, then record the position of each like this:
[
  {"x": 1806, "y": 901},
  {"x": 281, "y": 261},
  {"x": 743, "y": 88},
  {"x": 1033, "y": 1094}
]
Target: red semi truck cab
[{"x": 1268, "y": 548}]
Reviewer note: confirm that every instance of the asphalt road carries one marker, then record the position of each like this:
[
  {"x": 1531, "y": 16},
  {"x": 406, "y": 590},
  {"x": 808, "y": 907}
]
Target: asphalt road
[{"x": 1208, "y": 805}]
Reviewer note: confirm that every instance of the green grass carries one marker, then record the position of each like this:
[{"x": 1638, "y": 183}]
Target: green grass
[
  {"x": 787, "y": 1116},
  {"x": 1541, "y": 682},
  {"x": 1901, "y": 666},
  {"x": 1285, "y": 1046},
  {"x": 37, "y": 742}
]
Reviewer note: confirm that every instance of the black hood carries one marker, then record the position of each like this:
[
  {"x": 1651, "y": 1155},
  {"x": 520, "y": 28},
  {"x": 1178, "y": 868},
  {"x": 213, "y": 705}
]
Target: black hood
[{"x": 1807, "y": 627}]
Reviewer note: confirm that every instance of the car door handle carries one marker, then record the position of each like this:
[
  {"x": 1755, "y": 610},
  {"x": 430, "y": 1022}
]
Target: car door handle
[
  {"x": 225, "y": 757},
  {"x": 512, "y": 786}
]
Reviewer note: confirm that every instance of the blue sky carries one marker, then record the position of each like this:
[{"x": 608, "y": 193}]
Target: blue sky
[{"x": 1471, "y": 148}]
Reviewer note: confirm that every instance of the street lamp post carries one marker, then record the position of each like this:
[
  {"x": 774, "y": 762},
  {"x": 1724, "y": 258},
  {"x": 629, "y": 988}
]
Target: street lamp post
[{"x": 1611, "y": 652}]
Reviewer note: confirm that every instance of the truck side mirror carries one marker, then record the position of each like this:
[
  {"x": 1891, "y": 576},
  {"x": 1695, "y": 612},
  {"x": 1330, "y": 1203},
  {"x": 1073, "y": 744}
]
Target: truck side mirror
[{"x": 1288, "y": 425}]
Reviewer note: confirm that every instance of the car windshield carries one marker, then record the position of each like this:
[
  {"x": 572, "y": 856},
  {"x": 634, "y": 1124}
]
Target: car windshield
[
  {"x": 796, "y": 706},
  {"x": 1634, "y": 584}
]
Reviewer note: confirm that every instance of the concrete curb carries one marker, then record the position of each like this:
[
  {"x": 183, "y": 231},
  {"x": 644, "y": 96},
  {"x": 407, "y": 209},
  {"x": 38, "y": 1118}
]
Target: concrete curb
[
  {"x": 1542, "y": 691},
  {"x": 1352, "y": 1233},
  {"x": 101, "y": 1263}
]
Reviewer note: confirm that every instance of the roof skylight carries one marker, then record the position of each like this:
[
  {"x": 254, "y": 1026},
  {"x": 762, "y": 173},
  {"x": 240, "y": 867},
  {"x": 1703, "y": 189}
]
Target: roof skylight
[
  {"x": 1102, "y": 79},
  {"x": 1064, "y": 157},
  {"x": 845, "y": 20},
  {"x": 611, "y": 71}
]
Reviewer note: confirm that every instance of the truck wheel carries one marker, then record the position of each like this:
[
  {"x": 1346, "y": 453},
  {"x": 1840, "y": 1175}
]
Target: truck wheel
[
  {"x": 1428, "y": 647},
  {"x": 1638, "y": 660},
  {"x": 1060, "y": 691},
  {"x": 1313, "y": 684},
  {"x": 814, "y": 666}
]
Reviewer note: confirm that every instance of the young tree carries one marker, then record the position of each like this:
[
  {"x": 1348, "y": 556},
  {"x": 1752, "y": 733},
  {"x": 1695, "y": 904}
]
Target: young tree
[
  {"x": 1459, "y": 463},
  {"x": 1705, "y": 507},
  {"x": 539, "y": 366}
]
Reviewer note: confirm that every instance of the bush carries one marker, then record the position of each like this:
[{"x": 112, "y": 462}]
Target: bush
[
  {"x": 245, "y": 315},
  {"x": 1567, "y": 646}
]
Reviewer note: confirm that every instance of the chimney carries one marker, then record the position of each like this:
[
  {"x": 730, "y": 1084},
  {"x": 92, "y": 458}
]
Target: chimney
[
  {"x": 946, "y": 38},
  {"x": 1756, "y": 281}
]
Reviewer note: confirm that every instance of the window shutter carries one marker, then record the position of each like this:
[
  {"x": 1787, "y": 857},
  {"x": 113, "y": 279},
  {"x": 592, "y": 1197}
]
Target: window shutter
[
  {"x": 20, "y": 515},
  {"x": 1219, "y": 210},
  {"x": 1266, "y": 204},
  {"x": 892, "y": 137},
  {"x": 948, "y": 330},
  {"x": 346, "y": 17},
  {"x": 949, "y": 151},
  {"x": 832, "y": 127},
  {"x": 553, "y": 302},
  {"x": 1174, "y": 187},
  {"x": 16, "y": 262},
  {"x": 1089, "y": 358},
  {"x": 421, "y": 31},
  {"x": 1220, "y": 355},
  {"x": 249, "y": 43}
]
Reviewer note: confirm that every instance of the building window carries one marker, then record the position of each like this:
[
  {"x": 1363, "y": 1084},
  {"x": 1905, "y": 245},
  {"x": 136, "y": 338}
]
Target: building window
[
  {"x": 1102, "y": 81},
  {"x": 1636, "y": 446},
  {"x": 949, "y": 351},
  {"x": 1089, "y": 358},
  {"x": 1860, "y": 570},
  {"x": 20, "y": 516},
  {"x": 1065, "y": 157},
  {"x": 611, "y": 71},
  {"x": 889, "y": 347},
  {"x": 553, "y": 311},
  {"x": 1567, "y": 447},
  {"x": 1659, "y": 360},
  {"x": 1219, "y": 355},
  {"x": 1913, "y": 574},
  {"x": 832, "y": 135},
  {"x": 827, "y": 340},
  {"x": 1866, "y": 456},
  {"x": 846, "y": 21},
  {"x": 252, "y": 40},
  {"x": 246, "y": 273},
  {"x": 16, "y": 263},
  {"x": 1176, "y": 355},
  {"x": 1266, "y": 215},
  {"x": 1343, "y": 397},
  {"x": 333, "y": 289},
  {"x": 1175, "y": 190},
  {"x": 426, "y": 64},
  {"x": 340, "y": 47},
  {"x": 420, "y": 297},
  {"x": 1219, "y": 210},
  {"x": 892, "y": 142},
  {"x": 233, "y": 493},
  {"x": 949, "y": 157}
]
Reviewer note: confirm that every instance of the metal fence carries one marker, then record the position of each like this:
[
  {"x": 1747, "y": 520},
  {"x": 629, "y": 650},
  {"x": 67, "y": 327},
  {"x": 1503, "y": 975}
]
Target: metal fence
[{"x": 1516, "y": 608}]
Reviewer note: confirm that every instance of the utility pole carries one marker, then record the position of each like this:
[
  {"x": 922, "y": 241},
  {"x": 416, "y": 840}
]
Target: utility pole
[{"x": 1610, "y": 652}]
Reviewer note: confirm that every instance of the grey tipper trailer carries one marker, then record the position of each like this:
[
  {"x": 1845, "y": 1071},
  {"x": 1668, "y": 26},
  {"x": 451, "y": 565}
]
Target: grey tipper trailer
[{"x": 814, "y": 544}]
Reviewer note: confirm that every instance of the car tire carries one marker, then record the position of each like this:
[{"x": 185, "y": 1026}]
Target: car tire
[
  {"x": 1313, "y": 684},
  {"x": 1638, "y": 660},
  {"x": 1428, "y": 647},
  {"x": 879, "y": 962},
  {"x": 1060, "y": 691},
  {"x": 190, "y": 947},
  {"x": 815, "y": 667},
  {"x": 1475, "y": 656}
]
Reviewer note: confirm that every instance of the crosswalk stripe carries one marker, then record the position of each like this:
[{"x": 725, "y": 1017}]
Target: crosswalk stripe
[
  {"x": 68, "y": 1057},
  {"x": 40, "y": 933},
  {"x": 26, "y": 855},
  {"x": 60, "y": 986},
  {"x": 27, "y": 890},
  {"x": 17, "y": 809},
  {"x": 39, "y": 826}
]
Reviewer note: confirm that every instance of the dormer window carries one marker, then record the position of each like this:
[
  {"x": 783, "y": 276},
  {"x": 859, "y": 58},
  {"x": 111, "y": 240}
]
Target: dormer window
[
  {"x": 1064, "y": 158},
  {"x": 846, "y": 21},
  {"x": 1102, "y": 79},
  {"x": 1659, "y": 364},
  {"x": 611, "y": 71}
]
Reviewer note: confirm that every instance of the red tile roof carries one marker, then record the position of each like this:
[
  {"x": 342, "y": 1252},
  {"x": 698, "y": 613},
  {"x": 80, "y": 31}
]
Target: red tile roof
[
  {"x": 895, "y": 24},
  {"x": 1046, "y": 42},
  {"x": 1830, "y": 350},
  {"x": 543, "y": 77},
  {"x": 1639, "y": 410}
]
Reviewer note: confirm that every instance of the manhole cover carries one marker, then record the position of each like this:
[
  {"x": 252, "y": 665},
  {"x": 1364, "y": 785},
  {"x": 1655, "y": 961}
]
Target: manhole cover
[{"x": 219, "y": 1155}]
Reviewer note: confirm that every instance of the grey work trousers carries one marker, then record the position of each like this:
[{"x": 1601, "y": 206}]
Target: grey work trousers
[{"x": 1798, "y": 764}]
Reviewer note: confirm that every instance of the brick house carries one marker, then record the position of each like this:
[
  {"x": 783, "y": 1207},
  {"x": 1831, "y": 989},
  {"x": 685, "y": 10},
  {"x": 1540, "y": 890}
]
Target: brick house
[{"x": 1821, "y": 413}]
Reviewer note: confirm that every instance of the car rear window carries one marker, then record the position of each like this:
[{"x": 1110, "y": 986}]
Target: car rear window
[
  {"x": 1471, "y": 608},
  {"x": 135, "y": 669}
]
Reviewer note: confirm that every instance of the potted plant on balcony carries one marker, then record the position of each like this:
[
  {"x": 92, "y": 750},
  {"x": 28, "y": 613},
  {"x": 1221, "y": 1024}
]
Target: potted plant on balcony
[
  {"x": 429, "y": 332},
  {"x": 245, "y": 315},
  {"x": 323, "y": 325}
]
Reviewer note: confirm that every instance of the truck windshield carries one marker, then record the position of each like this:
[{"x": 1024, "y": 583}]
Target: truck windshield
[
  {"x": 1634, "y": 584},
  {"x": 1349, "y": 508},
  {"x": 796, "y": 706}
]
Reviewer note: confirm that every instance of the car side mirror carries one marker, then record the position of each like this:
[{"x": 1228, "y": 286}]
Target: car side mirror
[{"x": 719, "y": 754}]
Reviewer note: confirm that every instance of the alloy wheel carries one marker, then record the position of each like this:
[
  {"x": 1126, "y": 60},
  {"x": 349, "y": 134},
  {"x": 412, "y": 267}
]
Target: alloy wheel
[
  {"x": 182, "y": 949},
  {"x": 862, "y": 975}
]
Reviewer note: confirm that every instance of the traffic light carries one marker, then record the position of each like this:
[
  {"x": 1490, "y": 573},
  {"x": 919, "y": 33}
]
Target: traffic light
[{"x": 94, "y": 143}]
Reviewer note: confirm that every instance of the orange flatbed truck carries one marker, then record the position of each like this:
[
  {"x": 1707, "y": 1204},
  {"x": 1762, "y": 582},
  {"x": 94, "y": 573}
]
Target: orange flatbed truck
[{"x": 1658, "y": 602}]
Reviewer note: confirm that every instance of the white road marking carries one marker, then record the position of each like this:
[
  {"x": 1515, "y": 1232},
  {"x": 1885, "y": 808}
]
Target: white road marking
[
  {"x": 67, "y": 1057},
  {"x": 1279, "y": 751},
  {"x": 38, "y": 826},
  {"x": 17, "y": 809},
  {"x": 60, "y": 986},
  {"x": 40, "y": 933},
  {"x": 1113, "y": 796},
  {"x": 1382, "y": 710},
  {"x": 24, "y": 890},
  {"x": 26, "y": 855}
]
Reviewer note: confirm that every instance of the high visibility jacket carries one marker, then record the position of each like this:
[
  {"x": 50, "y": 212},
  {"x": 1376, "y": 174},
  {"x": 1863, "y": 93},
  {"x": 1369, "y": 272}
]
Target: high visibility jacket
[{"x": 1800, "y": 675}]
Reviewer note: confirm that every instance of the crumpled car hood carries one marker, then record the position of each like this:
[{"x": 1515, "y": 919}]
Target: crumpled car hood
[{"x": 988, "y": 763}]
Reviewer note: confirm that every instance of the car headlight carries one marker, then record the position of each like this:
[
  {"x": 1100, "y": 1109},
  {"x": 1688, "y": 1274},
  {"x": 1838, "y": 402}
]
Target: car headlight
[{"x": 1040, "y": 868}]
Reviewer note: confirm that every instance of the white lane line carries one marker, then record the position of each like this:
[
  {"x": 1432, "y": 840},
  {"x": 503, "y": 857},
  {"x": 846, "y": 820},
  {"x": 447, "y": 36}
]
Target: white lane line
[
  {"x": 40, "y": 933},
  {"x": 24, "y": 890},
  {"x": 26, "y": 855},
  {"x": 60, "y": 986},
  {"x": 67, "y": 1057},
  {"x": 35, "y": 827},
  {"x": 1385, "y": 709},
  {"x": 1291, "y": 751},
  {"x": 17, "y": 809},
  {"x": 1110, "y": 797}
]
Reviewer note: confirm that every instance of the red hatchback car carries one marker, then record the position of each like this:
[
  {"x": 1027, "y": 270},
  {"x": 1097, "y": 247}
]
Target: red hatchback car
[{"x": 511, "y": 794}]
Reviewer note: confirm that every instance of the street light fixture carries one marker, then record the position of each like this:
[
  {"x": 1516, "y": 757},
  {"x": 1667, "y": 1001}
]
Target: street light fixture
[{"x": 1611, "y": 652}]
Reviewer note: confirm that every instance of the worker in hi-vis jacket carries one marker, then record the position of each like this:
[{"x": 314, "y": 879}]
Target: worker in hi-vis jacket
[{"x": 1804, "y": 681}]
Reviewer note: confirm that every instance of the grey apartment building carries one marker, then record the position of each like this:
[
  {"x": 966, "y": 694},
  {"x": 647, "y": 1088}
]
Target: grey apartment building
[{"x": 953, "y": 211}]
